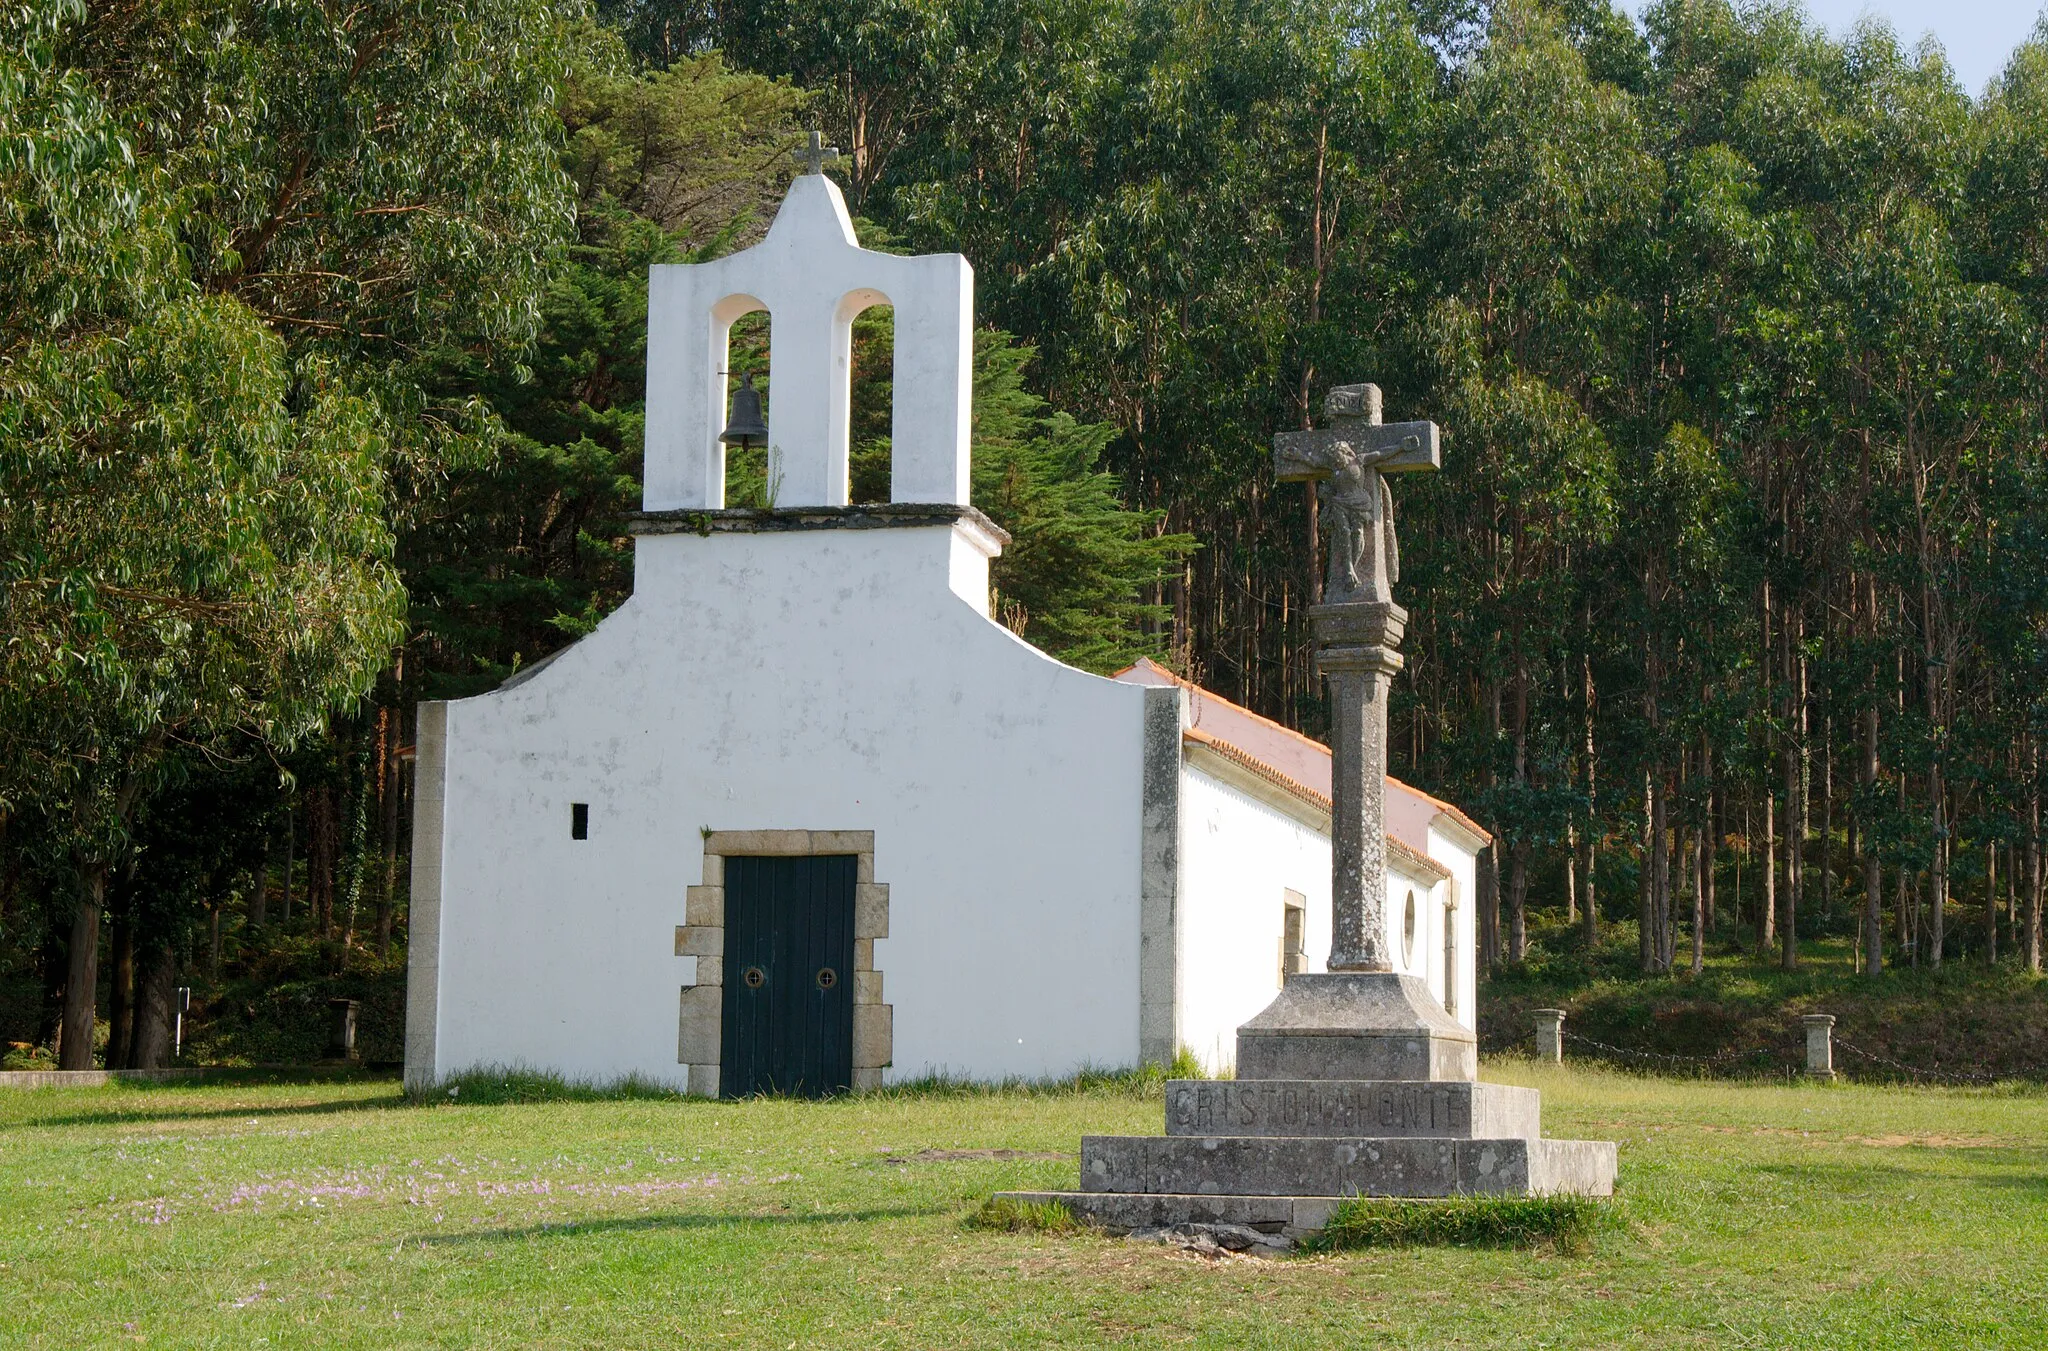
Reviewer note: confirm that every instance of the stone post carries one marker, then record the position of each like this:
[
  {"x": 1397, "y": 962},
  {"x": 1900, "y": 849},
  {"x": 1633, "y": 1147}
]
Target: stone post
[
  {"x": 341, "y": 1029},
  {"x": 1820, "y": 1045},
  {"x": 1550, "y": 1035},
  {"x": 1356, "y": 651}
]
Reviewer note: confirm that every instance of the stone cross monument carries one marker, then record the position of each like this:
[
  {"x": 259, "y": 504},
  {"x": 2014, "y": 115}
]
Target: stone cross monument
[
  {"x": 1354, "y": 1081},
  {"x": 1358, "y": 632}
]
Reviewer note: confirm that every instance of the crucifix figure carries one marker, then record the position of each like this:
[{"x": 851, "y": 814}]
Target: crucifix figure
[
  {"x": 1357, "y": 633},
  {"x": 815, "y": 154},
  {"x": 1348, "y": 459}
]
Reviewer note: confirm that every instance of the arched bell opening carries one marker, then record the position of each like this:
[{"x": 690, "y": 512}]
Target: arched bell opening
[
  {"x": 743, "y": 327},
  {"x": 865, "y": 333}
]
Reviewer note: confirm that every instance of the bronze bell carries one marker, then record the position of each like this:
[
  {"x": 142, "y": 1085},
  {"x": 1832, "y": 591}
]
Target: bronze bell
[{"x": 746, "y": 428}]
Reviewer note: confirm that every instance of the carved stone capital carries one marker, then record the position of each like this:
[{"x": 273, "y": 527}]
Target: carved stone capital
[{"x": 1358, "y": 624}]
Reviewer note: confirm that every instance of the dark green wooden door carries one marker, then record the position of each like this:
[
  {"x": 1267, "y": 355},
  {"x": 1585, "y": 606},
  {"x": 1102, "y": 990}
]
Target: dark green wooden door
[{"x": 788, "y": 1024}]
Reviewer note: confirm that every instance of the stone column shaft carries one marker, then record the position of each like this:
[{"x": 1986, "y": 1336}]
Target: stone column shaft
[{"x": 1355, "y": 651}]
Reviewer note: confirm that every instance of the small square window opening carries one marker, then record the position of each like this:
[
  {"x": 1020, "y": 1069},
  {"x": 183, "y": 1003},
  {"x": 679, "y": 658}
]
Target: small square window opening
[{"x": 579, "y": 820}]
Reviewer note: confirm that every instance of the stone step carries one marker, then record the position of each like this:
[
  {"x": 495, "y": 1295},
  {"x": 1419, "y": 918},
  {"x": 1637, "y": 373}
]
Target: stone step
[
  {"x": 1239, "y": 1165},
  {"x": 1351, "y": 1108},
  {"x": 1121, "y": 1212}
]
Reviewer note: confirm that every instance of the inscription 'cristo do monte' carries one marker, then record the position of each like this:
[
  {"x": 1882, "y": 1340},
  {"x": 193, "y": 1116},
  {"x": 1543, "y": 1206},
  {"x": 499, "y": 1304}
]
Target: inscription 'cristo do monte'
[{"x": 1309, "y": 1107}]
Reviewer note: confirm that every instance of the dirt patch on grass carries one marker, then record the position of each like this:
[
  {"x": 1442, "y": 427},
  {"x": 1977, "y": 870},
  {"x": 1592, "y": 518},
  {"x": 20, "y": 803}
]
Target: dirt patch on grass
[{"x": 1935, "y": 1141}]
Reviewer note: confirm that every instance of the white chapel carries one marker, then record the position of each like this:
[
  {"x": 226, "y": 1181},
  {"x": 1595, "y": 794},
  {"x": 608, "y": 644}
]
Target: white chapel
[{"x": 801, "y": 817}]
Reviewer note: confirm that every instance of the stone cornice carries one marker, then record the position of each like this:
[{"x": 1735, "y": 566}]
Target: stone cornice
[{"x": 758, "y": 520}]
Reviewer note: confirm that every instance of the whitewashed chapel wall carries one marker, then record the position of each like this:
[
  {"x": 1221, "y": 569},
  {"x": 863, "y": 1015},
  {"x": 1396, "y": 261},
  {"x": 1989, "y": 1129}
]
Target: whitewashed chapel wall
[
  {"x": 828, "y": 679},
  {"x": 1239, "y": 856}
]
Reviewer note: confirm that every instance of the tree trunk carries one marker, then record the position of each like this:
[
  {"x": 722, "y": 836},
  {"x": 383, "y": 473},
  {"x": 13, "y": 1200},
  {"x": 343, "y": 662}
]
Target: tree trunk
[
  {"x": 1518, "y": 853},
  {"x": 82, "y": 972},
  {"x": 1937, "y": 889},
  {"x": 1827, "y": 817},
  {"x": 388, "y": 793},
  {"x": 1710, "y": 844},
  {"x": 2032, "y": 939},
  {"x": 321, "y": 849},
  {"x": 1991, "y": 905},
  {"x": 1590, "y": 910},
  {"x": 1767, "y": 913},
  {"x": 1795, "y": 799},
  {"x": 1699, "y": 902},
  {"x": 1571, "y": 873},
  {"x": 1660, "y": 808},
  {"x": 55, "y": 963},
  {"x": 291, "y": 839},
  {"x": 1489, "y": 906},
  {"x": 1518, "y": 901},
  {"x": 1873, "y": 865},
  {"x": 1646, "y": 924},
  {"x": 154, "y": 1014},
  {"x": 121, "y": 998}
]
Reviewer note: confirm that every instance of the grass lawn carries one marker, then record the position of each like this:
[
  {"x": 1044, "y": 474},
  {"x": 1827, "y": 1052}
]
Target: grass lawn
[{"x": 335, "y": 1215}]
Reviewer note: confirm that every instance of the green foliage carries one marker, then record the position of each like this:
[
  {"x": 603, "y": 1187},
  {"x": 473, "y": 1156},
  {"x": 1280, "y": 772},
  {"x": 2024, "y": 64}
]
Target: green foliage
[
  {"x": 522, "y": 548},
  {"x": 1002, "y": 1215},
  {"x": 1725, "y": 321},
  {"x": 1079, "y": 561},
  {"x": 1568, "y": 1224},
  {"x": 508, "y": 1085},
  {"x": 235, "y": 234},
  {"x": 1146, "y": 1083}
]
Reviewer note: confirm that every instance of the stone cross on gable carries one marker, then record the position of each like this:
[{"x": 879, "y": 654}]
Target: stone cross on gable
[
  {"x": 1348, "y": 458},
  {"x": 815, "y": 154}
]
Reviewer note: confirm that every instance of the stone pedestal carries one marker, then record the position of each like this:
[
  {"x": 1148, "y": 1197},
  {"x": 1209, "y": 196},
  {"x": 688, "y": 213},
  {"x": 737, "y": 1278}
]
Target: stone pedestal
[
  {"x": 1350, "y": 1084},
  {"x": 1820, "y": 1045},
  {"x": 1550, "y": 1035},
  {"x": 1356, "y": 1025},
  {"x": 1355, "y": 1081}
]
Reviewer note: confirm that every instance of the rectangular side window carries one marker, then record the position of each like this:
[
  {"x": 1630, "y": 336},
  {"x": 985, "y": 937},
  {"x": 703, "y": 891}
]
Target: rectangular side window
[
  {"x": 579, "y": 820},
  {"x": 1293, "y": 934}
]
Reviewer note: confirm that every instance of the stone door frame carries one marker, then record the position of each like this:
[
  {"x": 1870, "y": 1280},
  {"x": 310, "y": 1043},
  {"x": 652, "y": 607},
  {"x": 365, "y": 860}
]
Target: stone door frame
[{"x": 700, "y": 1028}]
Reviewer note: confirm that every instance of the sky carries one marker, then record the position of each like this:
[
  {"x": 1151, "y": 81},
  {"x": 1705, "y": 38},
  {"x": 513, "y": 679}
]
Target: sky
[{"x": 1978, "y": 35}]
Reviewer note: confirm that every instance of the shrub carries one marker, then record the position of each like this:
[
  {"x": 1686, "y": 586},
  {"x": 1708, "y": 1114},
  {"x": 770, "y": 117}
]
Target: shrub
[
  {"x": 1003, "y": 1215},
  {"x": 491, "y": 1086}
]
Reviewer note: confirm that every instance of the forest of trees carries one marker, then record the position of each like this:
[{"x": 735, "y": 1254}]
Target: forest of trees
[{"x": 320, "y": 386}]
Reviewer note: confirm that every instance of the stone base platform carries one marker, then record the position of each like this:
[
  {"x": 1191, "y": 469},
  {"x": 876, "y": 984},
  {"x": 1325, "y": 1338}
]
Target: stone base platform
[
  {"x": 1351, "y": 1107},
  {"x": 1413, "y": 1166}
]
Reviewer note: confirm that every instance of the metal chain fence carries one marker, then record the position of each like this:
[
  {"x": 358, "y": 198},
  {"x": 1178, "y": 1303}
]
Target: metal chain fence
[
  {"x": 1721, "y": 1058},
  {"x": 1794, "y": 1048},
  {"x": 1938, "y": 1076}
]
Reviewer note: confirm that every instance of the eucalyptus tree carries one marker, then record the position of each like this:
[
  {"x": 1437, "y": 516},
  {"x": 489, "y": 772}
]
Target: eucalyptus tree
[
  {"x": 1540, "y": 213},
  {"x": 2006, "y": 242},
  {"x": 264, "y": 219}
]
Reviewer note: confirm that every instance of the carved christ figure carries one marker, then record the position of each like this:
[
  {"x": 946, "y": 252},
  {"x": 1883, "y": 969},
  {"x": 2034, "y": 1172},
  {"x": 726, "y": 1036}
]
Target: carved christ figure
[
  {"x": 1351, "y": 458},
  {"x": 1365, "y": 556}
]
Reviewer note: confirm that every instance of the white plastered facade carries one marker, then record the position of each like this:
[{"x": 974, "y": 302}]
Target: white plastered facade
[{"x": 1072, "y": 877}]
